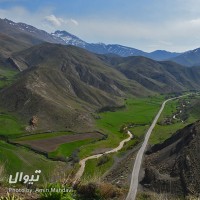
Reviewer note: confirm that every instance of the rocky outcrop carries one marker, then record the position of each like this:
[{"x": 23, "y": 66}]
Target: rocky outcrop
[
  {"x": 34, "y": 121},
  {"x": 174, "y": 165}
]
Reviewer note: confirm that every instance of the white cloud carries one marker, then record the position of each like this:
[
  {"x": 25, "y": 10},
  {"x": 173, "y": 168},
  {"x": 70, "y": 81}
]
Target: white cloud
[
  {"x": 57, "y": 21},
  {"x": 53, "y": 20},
  {"x": 172, "y": 35},
  {"x": 74, "y": 22},
  {"x": 42, "y": 18}
]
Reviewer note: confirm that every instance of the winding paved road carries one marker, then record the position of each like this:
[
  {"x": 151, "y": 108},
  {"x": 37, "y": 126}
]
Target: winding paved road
[
  {"x": 136, "y": 169},
  {"x": 83, "y": 161}
]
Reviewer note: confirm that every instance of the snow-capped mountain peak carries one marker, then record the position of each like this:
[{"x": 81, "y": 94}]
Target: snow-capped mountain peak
[{"x": 69, "y": 39}]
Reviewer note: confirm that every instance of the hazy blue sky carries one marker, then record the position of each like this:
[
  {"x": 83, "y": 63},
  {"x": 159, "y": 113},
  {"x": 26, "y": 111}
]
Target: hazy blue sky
[{"x": 172, "y": 25}]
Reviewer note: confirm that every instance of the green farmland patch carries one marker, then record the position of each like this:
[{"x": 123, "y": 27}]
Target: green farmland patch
[
  {"x": 19, "y": 159},
  {"x": 66, "y": 150},
  {"x": 41, "y": 136},
  {"x": 10, "y": 125},
  {"x": 138, "y": 111},
  {"x": 184, "y": 110}
]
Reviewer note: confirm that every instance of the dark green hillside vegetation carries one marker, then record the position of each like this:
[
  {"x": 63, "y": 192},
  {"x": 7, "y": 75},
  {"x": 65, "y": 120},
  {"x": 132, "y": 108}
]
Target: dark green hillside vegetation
[
  {"x": 10, "y": 125},
  {"x": 7, "y": 76},
  {"x": 194, "y": 108}
]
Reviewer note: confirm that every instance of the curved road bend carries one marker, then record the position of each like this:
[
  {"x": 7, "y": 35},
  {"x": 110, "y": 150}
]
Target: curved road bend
[
  {"x": 136, "y": 169},
  {"x": 83, "y": 161}
]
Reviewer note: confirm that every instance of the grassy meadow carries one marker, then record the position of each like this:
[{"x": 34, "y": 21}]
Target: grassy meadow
[
  {"x": 67, "y": 149},
  {"x": 17, "y": 159},
  {"x": 10, "y": 125},
  {"x": 96, "y": 168},
  {"x": 7, "y": 76},
  {"x": 138, "y": 112},
  {"x": 163, "y": 131}
]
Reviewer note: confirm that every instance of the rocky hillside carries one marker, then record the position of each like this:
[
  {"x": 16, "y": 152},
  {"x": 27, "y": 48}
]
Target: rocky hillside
[
  {"x": 26, "y": 33},
  {"x": 174, "y": 166},
  {"x": 15, "y": 37},
  {"x": 63, "y": 86},
  {"x": 162, "y": 77}
]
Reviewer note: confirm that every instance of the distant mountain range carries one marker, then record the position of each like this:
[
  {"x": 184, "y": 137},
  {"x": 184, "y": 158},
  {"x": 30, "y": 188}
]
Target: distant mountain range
[
  {"x": 189, "y": 58},
  {"x": 101, "y": 48},
  {"x": 28, "y": 35}
]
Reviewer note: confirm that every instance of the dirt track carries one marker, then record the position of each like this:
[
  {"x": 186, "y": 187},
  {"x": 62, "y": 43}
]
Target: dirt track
[{"x": 83, "y": 161}]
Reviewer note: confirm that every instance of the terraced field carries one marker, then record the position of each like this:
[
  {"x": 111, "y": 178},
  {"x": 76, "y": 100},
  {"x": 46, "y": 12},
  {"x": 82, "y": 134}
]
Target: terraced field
[
  {"x": 52, "y": 143},
  {"x": 59, "y": 145}
]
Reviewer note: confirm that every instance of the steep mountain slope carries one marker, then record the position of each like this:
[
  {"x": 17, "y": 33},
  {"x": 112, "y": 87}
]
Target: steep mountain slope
[
  {"x": 101, "y": 48},
  {"x": 157, "y": 76},
  {"x": 26, "y": 33},
  {"x": 63, "y": 85},
  {"x": 15, "y": 37},
  {"x": 174, "y": 166},
  {"x": 189, "y": 58},
  {"x": 10, "y": 45},
  {"x": 70, "y": 39}
]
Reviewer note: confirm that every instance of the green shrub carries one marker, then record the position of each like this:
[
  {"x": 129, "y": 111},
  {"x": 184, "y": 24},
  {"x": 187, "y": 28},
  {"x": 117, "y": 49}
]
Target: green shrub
[
  {"x": 74, "y": 157},
  {"x": 103, "y": 159},
  {"x": 57, "y": 191},
  {"x": 10, "y": 197},
  {"x": 89, "y": 191}
]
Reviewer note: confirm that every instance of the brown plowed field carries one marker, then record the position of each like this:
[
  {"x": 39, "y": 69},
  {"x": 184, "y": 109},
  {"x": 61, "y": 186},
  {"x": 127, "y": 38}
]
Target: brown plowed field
[{"x": 51, "y": 144}]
